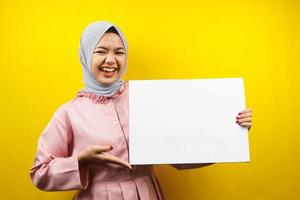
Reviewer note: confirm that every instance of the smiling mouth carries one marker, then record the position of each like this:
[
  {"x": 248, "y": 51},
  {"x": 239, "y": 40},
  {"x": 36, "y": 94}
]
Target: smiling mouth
[{"x": 108, "y": 69}]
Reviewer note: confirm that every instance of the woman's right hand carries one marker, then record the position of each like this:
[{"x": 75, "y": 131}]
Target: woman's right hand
[{"x": 98, "y": 155}]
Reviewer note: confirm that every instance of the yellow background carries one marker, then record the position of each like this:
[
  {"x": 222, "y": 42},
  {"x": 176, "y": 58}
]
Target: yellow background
[{"x": 256, "y": 40}]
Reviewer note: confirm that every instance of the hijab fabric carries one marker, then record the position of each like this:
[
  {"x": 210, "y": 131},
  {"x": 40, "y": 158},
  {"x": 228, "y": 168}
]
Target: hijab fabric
[{"x": 91, "y": 36}]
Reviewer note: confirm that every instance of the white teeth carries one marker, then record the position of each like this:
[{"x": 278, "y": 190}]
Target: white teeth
[{"x": 108, "y": 69}]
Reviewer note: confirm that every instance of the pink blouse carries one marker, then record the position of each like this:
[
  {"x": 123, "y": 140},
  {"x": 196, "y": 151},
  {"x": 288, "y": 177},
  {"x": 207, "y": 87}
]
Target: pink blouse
[{"x": 88, "y": 120}]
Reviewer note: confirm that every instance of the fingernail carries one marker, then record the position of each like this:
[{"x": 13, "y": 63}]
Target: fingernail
[{"x": 110, "y": 147}]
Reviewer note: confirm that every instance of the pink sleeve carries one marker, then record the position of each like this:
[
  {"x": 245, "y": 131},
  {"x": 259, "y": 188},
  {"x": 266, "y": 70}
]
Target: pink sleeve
[{"x": 53, "y": 169}]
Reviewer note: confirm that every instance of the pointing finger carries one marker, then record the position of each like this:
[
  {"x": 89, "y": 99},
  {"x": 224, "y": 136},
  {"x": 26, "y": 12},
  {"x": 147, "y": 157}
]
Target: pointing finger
[{"x": 100, "y": 149}]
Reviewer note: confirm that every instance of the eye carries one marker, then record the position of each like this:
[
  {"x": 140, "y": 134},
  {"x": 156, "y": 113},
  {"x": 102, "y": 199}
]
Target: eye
[
  {"x": 120, "y": 52},
  {"x": 100, "y": 52}
]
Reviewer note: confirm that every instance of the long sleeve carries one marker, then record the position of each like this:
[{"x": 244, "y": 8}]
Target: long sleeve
[{"x": 53, "y": 169}]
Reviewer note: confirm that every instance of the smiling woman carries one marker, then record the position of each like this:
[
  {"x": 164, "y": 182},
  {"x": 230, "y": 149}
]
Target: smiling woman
[{"x": 85, "y": 144}]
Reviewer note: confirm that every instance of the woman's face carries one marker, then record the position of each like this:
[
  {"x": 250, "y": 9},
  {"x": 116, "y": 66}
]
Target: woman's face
[{"x": 109, "y": 59}]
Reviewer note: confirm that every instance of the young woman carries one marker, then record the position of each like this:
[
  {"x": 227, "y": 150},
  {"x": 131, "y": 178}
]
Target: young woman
[{"x": 85, "y": 145}]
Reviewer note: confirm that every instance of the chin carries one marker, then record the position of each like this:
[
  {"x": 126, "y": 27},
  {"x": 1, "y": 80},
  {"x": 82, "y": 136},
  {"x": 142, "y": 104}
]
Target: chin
[{"x": 107, "y": 82}]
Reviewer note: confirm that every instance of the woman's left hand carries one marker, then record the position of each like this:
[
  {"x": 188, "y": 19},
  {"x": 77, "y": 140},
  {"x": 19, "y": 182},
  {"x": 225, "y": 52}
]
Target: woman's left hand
[{"x": 244, "y": 118}]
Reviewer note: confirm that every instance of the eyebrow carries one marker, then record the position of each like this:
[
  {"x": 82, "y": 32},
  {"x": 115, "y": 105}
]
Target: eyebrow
[{"x": 119, "y": 48}]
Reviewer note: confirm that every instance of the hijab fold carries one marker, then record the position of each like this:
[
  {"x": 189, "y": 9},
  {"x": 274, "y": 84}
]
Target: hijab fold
[{"x": 91, "y": 36}]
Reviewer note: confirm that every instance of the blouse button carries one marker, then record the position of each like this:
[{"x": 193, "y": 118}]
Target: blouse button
[{"x": 118, "y": 141}]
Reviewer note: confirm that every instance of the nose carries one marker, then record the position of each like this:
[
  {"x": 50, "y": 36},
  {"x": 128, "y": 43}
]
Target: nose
[{"x": 110, "y": 59}]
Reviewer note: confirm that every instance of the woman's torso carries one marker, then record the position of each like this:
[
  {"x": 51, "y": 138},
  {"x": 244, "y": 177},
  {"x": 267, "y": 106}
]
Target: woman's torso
[{"x": 104, "y": 121}]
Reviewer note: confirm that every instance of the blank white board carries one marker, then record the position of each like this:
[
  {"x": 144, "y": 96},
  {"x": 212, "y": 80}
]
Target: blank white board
[{"x": 186, "y": 121}]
